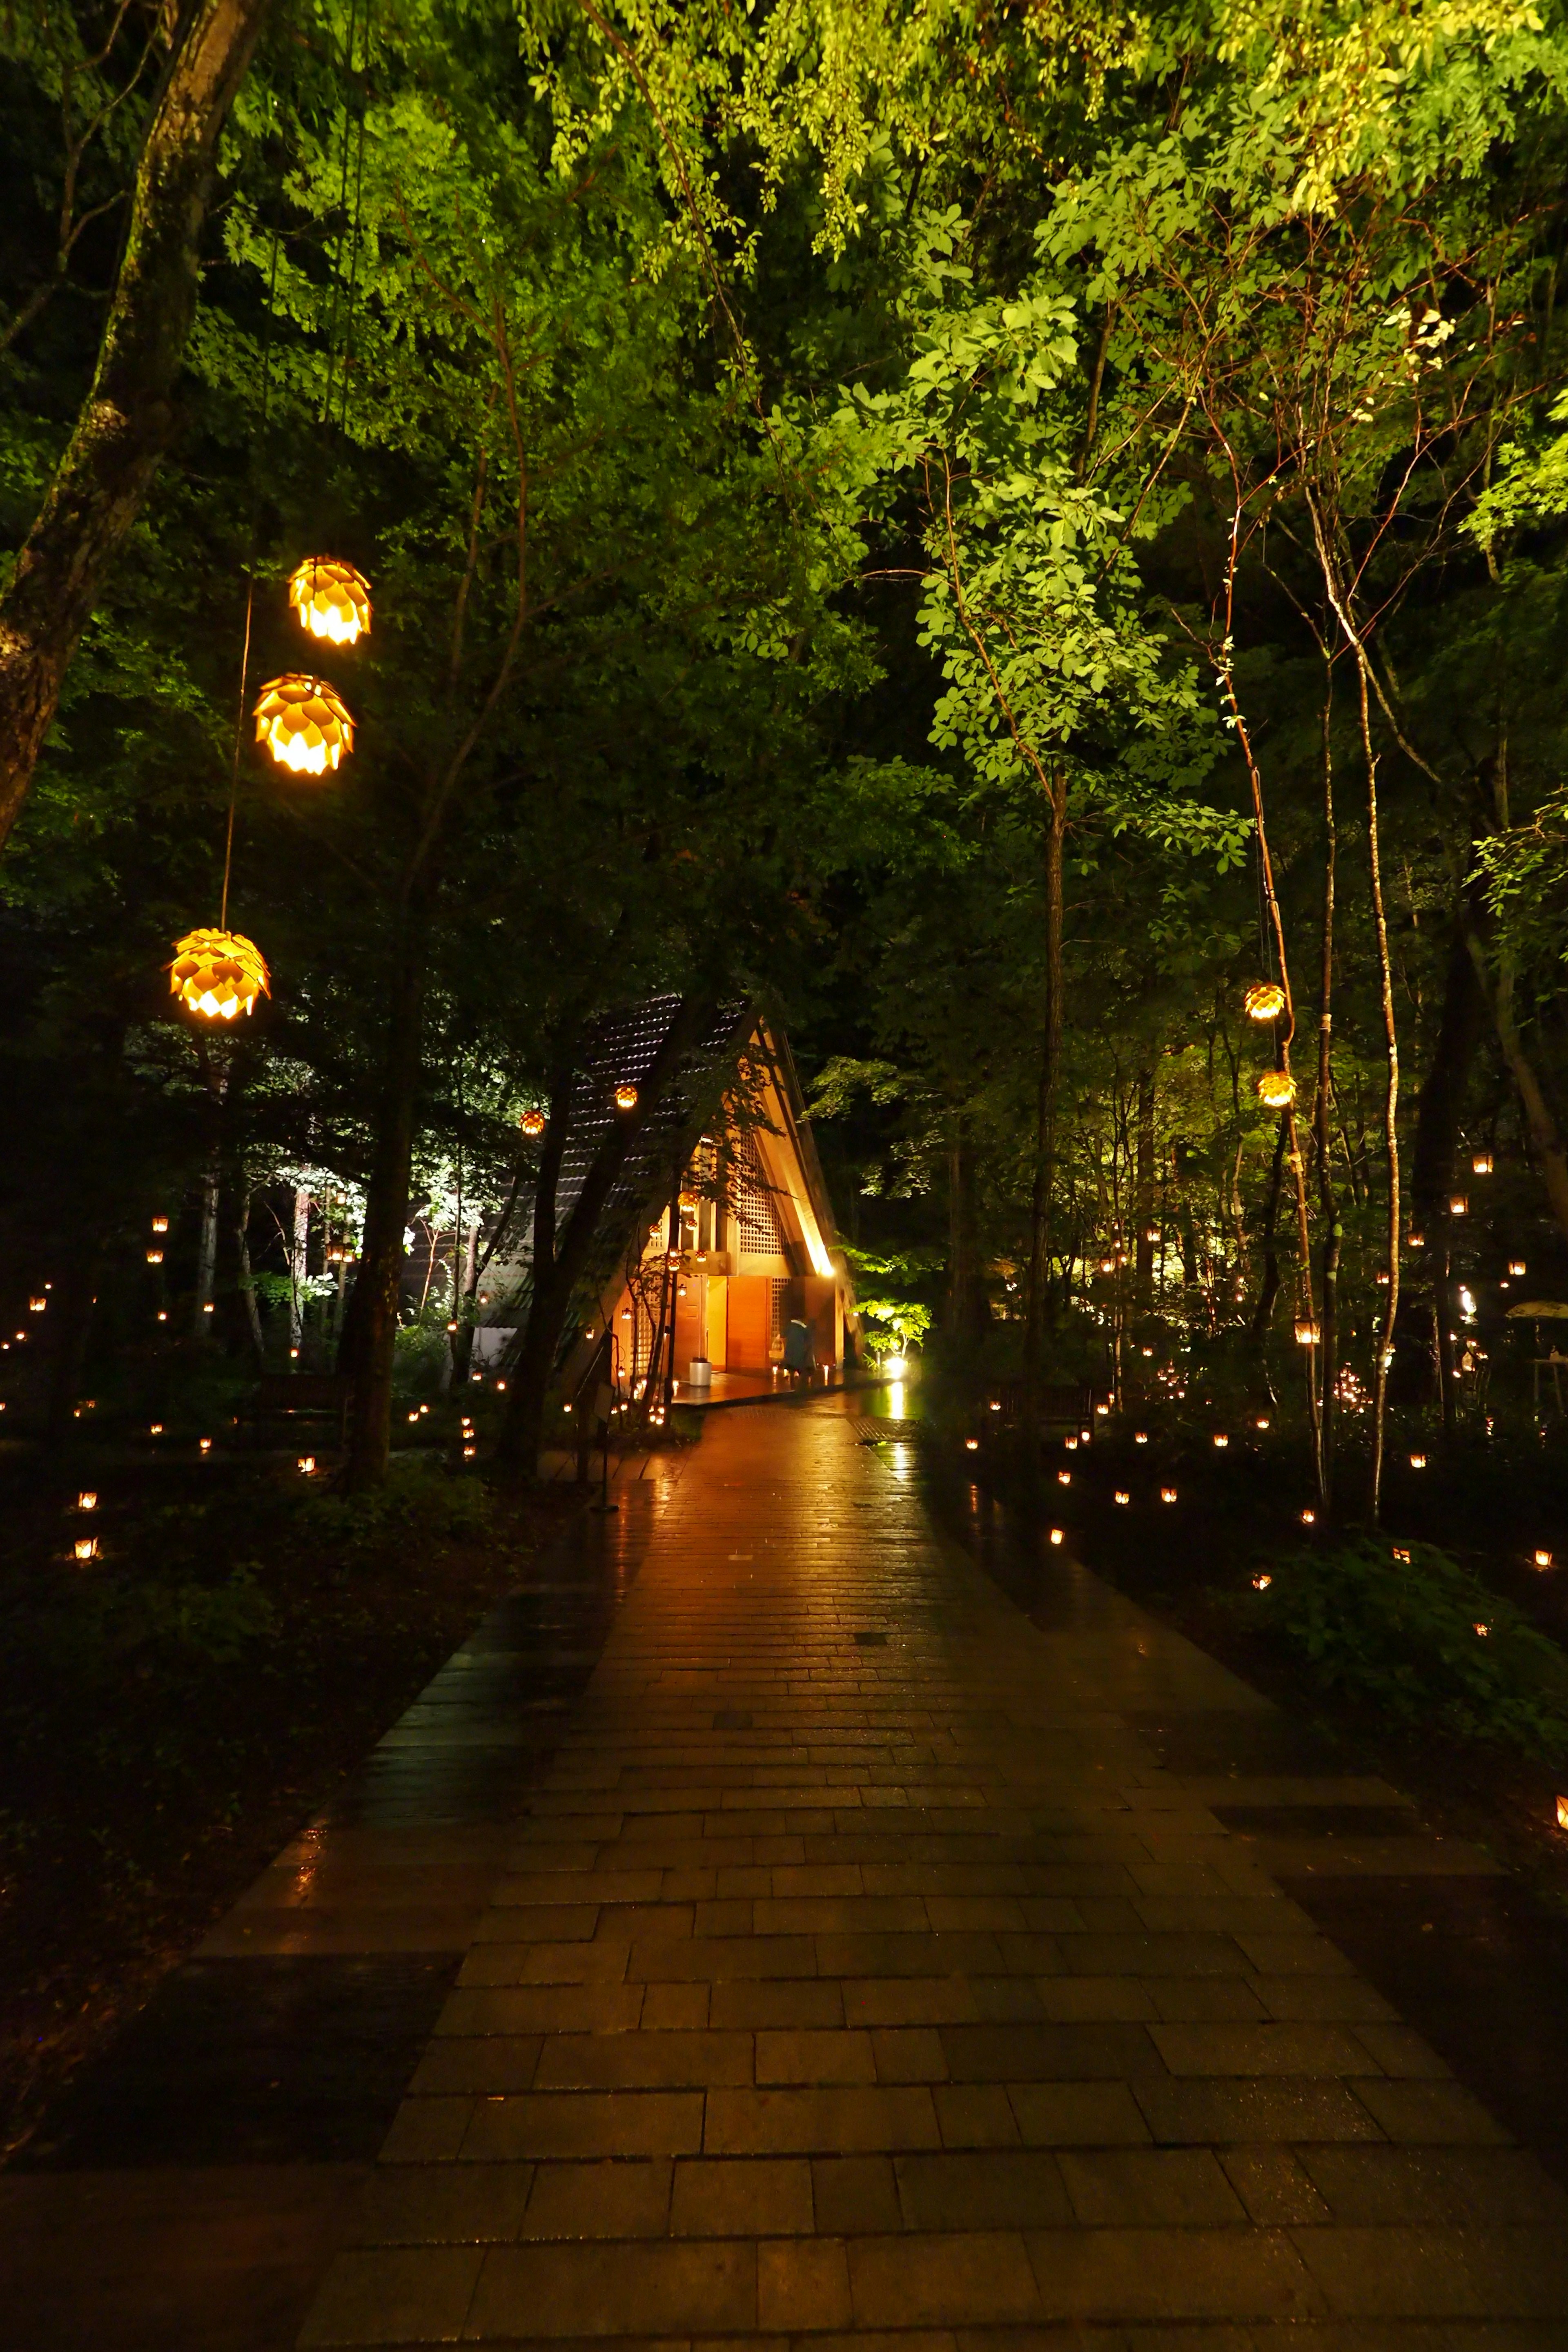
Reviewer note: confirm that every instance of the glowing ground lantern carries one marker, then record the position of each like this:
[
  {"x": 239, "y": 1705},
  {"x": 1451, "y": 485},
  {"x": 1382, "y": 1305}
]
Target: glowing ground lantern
[
  {"x": 1276, "y": 1090},
  {"x": 1264, "y": 1001},
  {"x": 332, "y": 600},
  {"x": 1543, "y": 1559},
  {"x": 86, "y": 1547},
  {"x": 1563, "y": 1813},
  {"x": 1517, "y": 1265},
  {"x": 160, "y": 1224},
  {"x": 625, "y": 1098},
  {"x": 1482, "y": 1165},
  {"x": 219, "y": 973},
  {"x": 154, "y": 1257},
  {"x": 37, "y": 1305},
  {"x": 1057, "y": 1535},
  {"x": 1458, "y": 1206},
  {"x": 1167, "y": 1494},
  {"x": 303, "y": 723},
  {"x": 533, "y": 1124},
  {"x": 1307, "y": 1332}
]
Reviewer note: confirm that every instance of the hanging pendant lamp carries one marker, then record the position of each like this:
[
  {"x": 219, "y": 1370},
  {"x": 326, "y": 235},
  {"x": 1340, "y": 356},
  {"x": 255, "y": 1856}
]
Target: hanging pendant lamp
[
  {"x": 218, "y": 974},
  {"x": 332, "y": 600},
  {"x": 303, "y": 723}
]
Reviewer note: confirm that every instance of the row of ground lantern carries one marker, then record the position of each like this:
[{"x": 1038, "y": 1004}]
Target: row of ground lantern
[{"x": 306, "y": 728}]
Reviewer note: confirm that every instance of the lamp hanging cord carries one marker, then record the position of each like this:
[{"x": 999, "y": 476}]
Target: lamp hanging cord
[
  {"x": 343, "y": 213},
  {"x": 259, "y": 445}
]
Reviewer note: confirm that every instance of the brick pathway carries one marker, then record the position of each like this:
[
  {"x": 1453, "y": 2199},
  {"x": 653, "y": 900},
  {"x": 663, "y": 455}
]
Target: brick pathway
[{"x": 858, "y": 1972}]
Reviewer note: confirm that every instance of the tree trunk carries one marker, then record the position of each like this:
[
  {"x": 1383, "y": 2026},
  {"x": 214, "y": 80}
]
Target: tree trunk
[
  {"x": 1334, "y": 1230},
  {"x": 374, "y": 1318},
  {"x": 1268, "y": 1290},
  {"x": 1143, "y": 1194},
  {"x": 463, "y": 1338},
  {"x": 247, "y": 1277},
  {"x": 1383, "y": 1339},
  {"x": 126, "y": 422},
  {"x": 206, "y": 1254},
  {"x": 1046, "y": 1113},
  {"x": 1545, "y": 1140},
  {"x": 299, "y": 1266}
]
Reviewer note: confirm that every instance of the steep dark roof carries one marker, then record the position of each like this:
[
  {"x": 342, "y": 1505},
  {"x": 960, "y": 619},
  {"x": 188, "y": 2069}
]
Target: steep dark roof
[{"x": 619, "y": 1048}]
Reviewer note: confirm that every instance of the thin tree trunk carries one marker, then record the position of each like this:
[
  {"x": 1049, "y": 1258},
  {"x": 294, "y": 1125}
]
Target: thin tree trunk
[
  {"x": 1545, "y": 1139},
  {"x": 378, "y": 1286},
  {"x": 1046, "y": 1111},
  {"x": 207, "y": 1253},
  {"x": 299, "y": 1266},
  {"x": 1383, "y": 1339},
  {"x": 1268, "y": 1290},
  {"x": 126, "y": 422},
  {"x": 1334, "y": 1230},
  {"x": 1143, "y": 1194},
  {"x": 247, "y": 1277}
]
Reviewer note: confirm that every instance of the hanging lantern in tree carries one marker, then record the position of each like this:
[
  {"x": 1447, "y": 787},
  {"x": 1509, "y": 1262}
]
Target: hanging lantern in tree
[
  {"x": 1264, "y": 1001},
  {"x": 625, "y": 1098},
  {"x": 303, "y": 723},
  {"x": 533, "y": 1124},
  {"x": 1276, "y": 1090},
  {"x": 332, "y": 599},
  {"x": 1307, "y": 1332},
  {"x": 219, "y": 973}
]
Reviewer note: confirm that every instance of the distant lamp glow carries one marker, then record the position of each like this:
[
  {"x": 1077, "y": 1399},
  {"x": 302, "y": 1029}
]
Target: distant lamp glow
[
  {"x": 533, "y": 1124},
  {"x": 1563, "y": 1813},
  {"x": 1400, "y": 1552},
  {"x": 37, "y": 1306},
  {"x": 1167, "y": 1494},
  {"x": 1108, "y": 1266},
  {"x": 1483, "y": 1631},
  {"x": 1309, "y": 1518},
  {"x": 1262, "y": 1584},
  {"x": 1262, "y": 1421},
  {"x": 625, "y": 1098},
  {"x": 332, "y": 600},
  {"x": 1220, "y": 1439},
  {"x": 87, "y": 1500},
  {"x": 206, "y": 1445},
  {"x": 1264, "y": 1001},
  {"x": 1057, "y": 1535},
  {"x": 1418, "y": 1462},
  {"x": 1307, "y": 1332},
  {"x": 1276, "y": 1090},
  {"x": 160, "y": 1224},
  {"x": 86, "y": 1547},
  {"x": 1416, "y": 1241},
  {"x": 1139, "y": 1437},
  {"x": 1482, "y": 1165},
  {"x": 896, "y": 1365},
  {"x": 306, "y": 1465},
  {"x": 219, "y": 973},
  {"x": 971, "y": 1445},
  {"x": 1121, "y": 1496},
  {"x": 154, "y": 1257},
  {"x": 1543, "y": 1559},
  {"x": 1064, "y": 1477},
  {"x": 156, "y": 1429},
  {"x": 1517, "y": 1265},
  {"x": 1458, "y": 1206},
  {"x": 303, "y": 723}
]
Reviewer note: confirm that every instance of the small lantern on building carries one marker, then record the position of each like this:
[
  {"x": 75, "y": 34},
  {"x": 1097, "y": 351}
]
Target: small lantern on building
[
  {"x": 219, "y": 973},
  {"x": 332, "y": 600},
  {"x": 1276, "y": 1090},
  {"x": 303, "y": 723},
  {"x": 1264, "y": 1001}
]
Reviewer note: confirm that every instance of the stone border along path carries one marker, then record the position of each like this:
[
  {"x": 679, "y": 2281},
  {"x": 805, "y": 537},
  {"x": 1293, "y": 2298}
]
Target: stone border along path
[{"x": 859, "y": 1973}]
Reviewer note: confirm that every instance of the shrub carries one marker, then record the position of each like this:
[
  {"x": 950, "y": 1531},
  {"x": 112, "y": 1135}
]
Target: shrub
[{"x": 1403, "y": 1634}]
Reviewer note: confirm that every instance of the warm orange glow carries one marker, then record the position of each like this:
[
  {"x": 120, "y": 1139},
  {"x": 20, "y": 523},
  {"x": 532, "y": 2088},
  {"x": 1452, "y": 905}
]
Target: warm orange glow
[
  {"x": 1167, "y": 1494},
  {"x": 625, "y": 1098},
  {"x": 37, "y": 1306},
  {"x": 303, "y": 723},
  {"x": 154, "y": 1257},
  {"x": 1458, "y": 1205},
  {"x": 1482, "y": 1165},
  {"x": 1307, "y": 1332},
  {"x": 533, "y": 1124},
  {"x": 1543, "y": 1559},
  {"x": 87, "y": 1547},
  {"x": 331, "y": 599},
  {"x": 160, "y": 1224},
  {"x": 1276, "y": 1090},
  {"x": 1120, "y": 1497},
  {"x": 1264, "y": 1001},
  {"x": 87, "y": 1500},
  {"x": 1262, "y": 1584},
  {"x": 1418, "y": 1462},
  {"x": 1057, "y": 1534},
  {"x": 219, "y": 973}
]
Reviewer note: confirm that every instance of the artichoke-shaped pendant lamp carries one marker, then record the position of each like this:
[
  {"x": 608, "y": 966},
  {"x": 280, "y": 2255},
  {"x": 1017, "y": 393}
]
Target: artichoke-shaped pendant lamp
[
  {"x": 332, "y": 599},
  {"x": 1264, "y": 1001},
  {"x": 219, "y": 973},
  {"x": 1277, "y": 1088},
  {"x": 533, "y": 1123},
  {"x": 303, "y": 723}
]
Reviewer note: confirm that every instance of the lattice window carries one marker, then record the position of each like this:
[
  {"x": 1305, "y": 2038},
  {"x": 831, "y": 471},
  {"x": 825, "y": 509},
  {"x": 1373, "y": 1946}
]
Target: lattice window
[{"x": 755, "y": 1212}]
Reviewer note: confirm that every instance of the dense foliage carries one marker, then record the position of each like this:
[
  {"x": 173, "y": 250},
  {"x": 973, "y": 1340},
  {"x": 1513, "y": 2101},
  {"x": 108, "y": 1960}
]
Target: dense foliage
[{"x": 991, "y": 534}]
